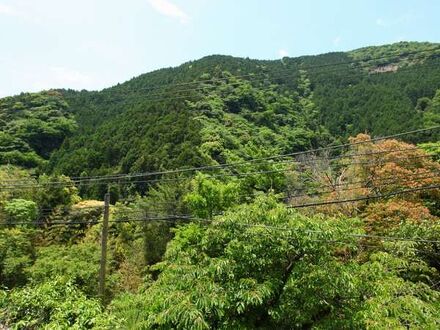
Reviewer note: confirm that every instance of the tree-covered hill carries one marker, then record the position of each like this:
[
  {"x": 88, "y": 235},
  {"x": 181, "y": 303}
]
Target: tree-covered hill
[
  {"x": 149, "y": 117},
  {"x": 32, "y": 126},
  {"x": 169, "y": 118},
  {"x": 341, "y": 237}
]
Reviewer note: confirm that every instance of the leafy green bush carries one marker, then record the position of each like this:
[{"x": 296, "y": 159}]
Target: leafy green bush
[
  {"x": 16, "y": 253},
  {"x": 55, "y": 304},
  {"x": 21, "y": 210},
  {"x": 261, "y": 266},
  {"x": 77, "y": 263},
  {"x": 209, "y": 196},
  {"x": 58, "y": 190}
]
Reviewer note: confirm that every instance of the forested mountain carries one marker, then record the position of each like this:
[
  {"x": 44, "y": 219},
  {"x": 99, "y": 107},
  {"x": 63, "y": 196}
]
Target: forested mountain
[
  {"x": 344, "y": 93},
  {"x": 245, "y": 194},
  {"x": 162, "y": 119},
  {"x": 32, "y": 127}
]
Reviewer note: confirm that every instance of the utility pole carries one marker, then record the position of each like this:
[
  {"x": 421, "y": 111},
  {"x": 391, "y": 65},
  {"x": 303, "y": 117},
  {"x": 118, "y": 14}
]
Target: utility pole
[{"x": 104, "y": 236}]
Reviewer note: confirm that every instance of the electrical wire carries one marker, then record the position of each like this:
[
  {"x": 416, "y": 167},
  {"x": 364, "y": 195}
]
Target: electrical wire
[
  {"x": 315, "y": 160},
  {"x": 174, "y": 95},
  {"x": 187, "y": 217},
  {"x": 238, "y": 176},
  {"x": 364, "y": 198},
  {"x": 232, "y": 164},
  {"x": 252, "y": 75}
]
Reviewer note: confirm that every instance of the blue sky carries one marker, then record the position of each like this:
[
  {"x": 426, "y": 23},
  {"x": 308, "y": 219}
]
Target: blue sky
[{"x": 92, "y": 44}]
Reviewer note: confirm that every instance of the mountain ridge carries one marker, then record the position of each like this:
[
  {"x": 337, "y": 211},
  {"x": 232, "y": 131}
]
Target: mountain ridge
[
  {"x": 162, "y": 119},
  {"x": 238, "y": 58}
]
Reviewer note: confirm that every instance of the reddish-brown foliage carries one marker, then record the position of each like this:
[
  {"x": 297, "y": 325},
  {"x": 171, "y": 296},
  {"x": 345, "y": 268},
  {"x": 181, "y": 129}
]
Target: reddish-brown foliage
[{"x": 380, "y": 168}]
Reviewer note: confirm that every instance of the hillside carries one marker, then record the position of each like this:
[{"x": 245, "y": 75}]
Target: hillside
[
  {"x": 295, "y": 218},
  {"x": 32, "y": 127},
  {"x": 346, "y": 100},
  {"x": 163, "y": 119}
]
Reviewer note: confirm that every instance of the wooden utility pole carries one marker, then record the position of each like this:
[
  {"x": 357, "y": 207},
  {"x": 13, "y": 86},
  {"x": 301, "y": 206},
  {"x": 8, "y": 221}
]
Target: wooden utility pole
[{"x": 104, "y": 236}]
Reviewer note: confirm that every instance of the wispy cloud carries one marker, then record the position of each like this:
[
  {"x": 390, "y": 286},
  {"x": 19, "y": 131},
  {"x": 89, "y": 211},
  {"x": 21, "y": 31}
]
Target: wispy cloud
[
  {"x": 169, "y": 9},
  {"x": 9, "y": 11},
  {"x": 12, "y": 11},
  {"x": 282, "y": 53},
  {"x": 337, "y": 41}
]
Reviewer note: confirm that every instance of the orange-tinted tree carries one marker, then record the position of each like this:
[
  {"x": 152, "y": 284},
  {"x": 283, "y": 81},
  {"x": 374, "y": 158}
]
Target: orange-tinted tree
[{"x": 387, "y": 171}]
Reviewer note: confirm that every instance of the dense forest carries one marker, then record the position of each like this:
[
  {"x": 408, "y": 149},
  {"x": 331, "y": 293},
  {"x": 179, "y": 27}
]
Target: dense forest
[{"x": 245, "y": 194}]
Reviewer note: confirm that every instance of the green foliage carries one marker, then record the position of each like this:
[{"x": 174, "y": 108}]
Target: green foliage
[
  {"x": 258, "y": 265},
  {"x": 58, "y": 190},
  {"x": 21, "y": 210},
  {"x": 137, "y": 140},
  {"x": 402, "y": 53},
  {"x": 124, "y": 129},
  {"x": 16, "y": 253},
  {"x": 431, "y": 112},
  {"x": 80, "y": 218},
  {"x": 151, "y": 237},
  {"x": 55, "y": 304},
  {"x": 78, "y": 263},
  {"x": 9, "y": 173},
  {"x": 242, "y": 272},
  {"x": 240, "y": 120},
  {"x": 35, "y": 125},
  {"x": 432, "y": 148},
  {"x": 352, "y": 295},
  {"x": 209, "y": 196}
]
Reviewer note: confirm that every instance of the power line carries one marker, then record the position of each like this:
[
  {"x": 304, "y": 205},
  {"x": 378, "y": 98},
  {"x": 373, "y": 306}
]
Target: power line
[
  {"x": 74, "y": 207},
  {"x": 387, "y": 181},
  {"x": 265, "y": 79},
  {"x": 85, "y": 178},
  {"x": 48, "y": 212},
  {"x": 175, "y": 219},
  {"x": 188, "y": 93},
  {"x": 93, "y": 222},
  {"x": 247, "y": 174},
  {"x": 364, "y": 198},
  {"x": 189, "y": 217},
  {"x": 174, "y": 95},
  {"x": 239, "y": 176},
  {"x": 281, "y": 156},
  {"x": 252, "y": 75},
  {"x": 226, "y": 165},
  {"x": 307, "y": 231}
]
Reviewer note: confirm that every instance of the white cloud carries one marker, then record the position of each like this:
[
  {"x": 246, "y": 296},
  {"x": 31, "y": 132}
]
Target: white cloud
[
  {"x": 283, "y": 53},
  {"x": 26, "y": 15},
  {"x": 9, "y": 11},
  {"x": 337, "y": 41},
  {"x": 169, "y": 9}
]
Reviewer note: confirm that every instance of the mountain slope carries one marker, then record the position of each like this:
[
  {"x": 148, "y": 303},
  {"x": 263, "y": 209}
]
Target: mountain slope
[
  {"x": 221, "y": 108},
  {"x": 32, "y": 126}
]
